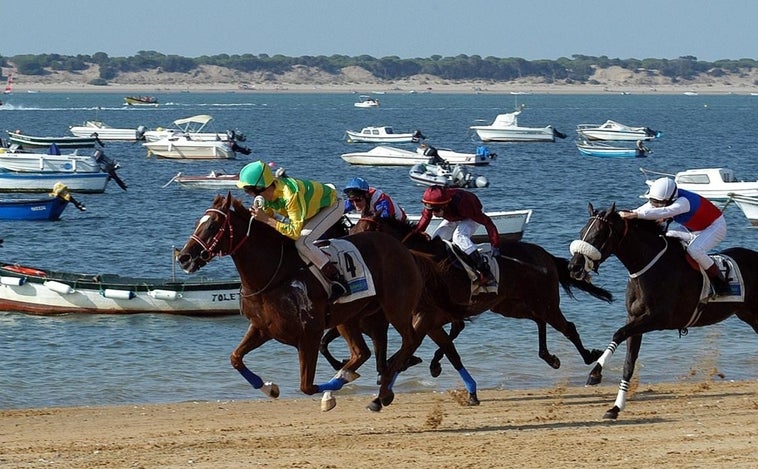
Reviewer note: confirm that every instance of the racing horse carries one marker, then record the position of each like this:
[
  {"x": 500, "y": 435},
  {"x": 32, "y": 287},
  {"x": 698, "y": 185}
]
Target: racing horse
[
  {"x": 529, "y": 280},
  {"x": 664, "y": 291},
  {"x": 284, "y": 301}
]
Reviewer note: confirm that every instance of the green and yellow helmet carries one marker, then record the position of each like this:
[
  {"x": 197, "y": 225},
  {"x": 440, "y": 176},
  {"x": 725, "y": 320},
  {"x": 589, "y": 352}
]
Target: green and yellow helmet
[{"x": 256, "y": 174}]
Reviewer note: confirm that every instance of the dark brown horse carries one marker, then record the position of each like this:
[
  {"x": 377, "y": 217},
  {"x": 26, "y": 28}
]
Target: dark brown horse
[
  {"x": 284, "y": 301},
  {"x": 663, "y": 291},
  {"x": 529, "y": 288}
]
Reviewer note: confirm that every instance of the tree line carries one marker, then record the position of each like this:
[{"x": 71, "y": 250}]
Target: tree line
[{"x": 577, "y": 69}]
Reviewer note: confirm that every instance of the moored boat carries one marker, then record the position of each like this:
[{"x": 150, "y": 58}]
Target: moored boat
[
  {"x": 30, "y": 142},
  {"x": 46, "y": 292},
  {"x": 216, "y": 179},
  {"x": 712, "y": 183},
  {"x": 612, "y": 130},
  {"x": 195, "y": 128},
  {"x": 104, "y": 131},
  {"x": 446, "y": 175},
  {"x": 383, "y": 155},
  {"x": 505, "y": 128},
  {"x": 184, "y": 148},
  {"x": 605, "y": 150},
  {"x": 383, "y": 134},
  {"x": 89, "y": 183},
  {"x": 748, "y": 205},
  {"x": 367, "y": 102},
  {"x": 141, "y": 101},
  {"x": 43, "y": 208}
]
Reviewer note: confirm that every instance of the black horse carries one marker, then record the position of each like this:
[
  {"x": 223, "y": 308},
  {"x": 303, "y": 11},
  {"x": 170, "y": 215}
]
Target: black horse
[
  {"x": 664, "y": 288},
  {"x": 529, "y": 288}
]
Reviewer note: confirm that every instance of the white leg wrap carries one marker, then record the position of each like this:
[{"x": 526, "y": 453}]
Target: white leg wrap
[
  {"x": 621, "y": 396},
  {"x": 607, "y": 354}
]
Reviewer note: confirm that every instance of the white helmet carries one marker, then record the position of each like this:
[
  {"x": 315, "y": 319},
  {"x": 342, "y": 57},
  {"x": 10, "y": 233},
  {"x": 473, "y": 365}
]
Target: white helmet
[{"x": 663, "y": 189}]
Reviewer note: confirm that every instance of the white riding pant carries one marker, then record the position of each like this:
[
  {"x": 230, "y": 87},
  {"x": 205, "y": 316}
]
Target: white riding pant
[
  {"x": 314, "y": 228},
  {"x": 459, "y": 232},
  {"x": 700, "y": 242}
]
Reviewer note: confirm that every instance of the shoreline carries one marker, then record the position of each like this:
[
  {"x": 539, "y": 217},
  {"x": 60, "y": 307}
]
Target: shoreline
[
  {"x": 385, "y": 88},
  {"x": 677, "y": 425}
]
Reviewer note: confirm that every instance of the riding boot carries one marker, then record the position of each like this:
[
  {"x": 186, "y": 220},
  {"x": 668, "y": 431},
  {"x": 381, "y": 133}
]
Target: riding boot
[
  {"x": 719, "y": 282},
  {"x": 338, "y": 283},
  {"x": 486, "y": 279}
]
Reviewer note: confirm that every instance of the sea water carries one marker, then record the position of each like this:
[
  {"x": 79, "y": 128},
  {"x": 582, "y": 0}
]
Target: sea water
[{"x": 73, "y": 359}]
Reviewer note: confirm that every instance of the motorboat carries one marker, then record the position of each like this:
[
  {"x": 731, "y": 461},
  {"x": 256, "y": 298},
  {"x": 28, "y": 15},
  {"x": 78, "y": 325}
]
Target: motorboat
[
  {"x": 446, "y": 175},
  {"x": 194, "y": 127},
  {"x": 184, "y": 148},
  {"x": 150, "y": 101},
  {"x": 715, "y": 184},
  {"x": 505, "y": 128},
  {"x": 45, "y": 292},
  {"x": 390, "y": 156},
  {"x": 612, "y": 130},
  {"x": 606, "y": 150},
  {"x": 41, "y": 208},
  {"x": 383, "y": 134},
  {"x": 43, "y": 162},
  {"x": 367, "y": 102},
  {"x": 748, "y": 204},
  {"x": 88, "y": 183},
  {"x": 216, "y": 179},
  {"x": 104, "y": 131},
  {"x": 510, "y": 224},
  {"x": 30, "y": 142}
]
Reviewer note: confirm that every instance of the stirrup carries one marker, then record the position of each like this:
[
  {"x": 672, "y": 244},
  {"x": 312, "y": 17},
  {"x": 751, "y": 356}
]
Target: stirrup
[{"x": 338, "y": 290}]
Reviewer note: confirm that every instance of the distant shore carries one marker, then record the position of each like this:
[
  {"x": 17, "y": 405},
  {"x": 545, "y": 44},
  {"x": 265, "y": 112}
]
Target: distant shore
[{"x": 382, "y": 88}]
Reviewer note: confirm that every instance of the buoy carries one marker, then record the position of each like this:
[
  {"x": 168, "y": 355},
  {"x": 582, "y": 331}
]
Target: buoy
[
  {"x": 58, "y": 287},
  {"x": 168, "y": 295},
  {"x": 118, "y": 294},
  {"x": 13, "y": 281}
]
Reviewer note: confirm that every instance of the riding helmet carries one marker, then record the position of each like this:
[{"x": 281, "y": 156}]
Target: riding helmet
[
  {"x": 663, "y": 189},
  {"x": 436, "y": 195},
  {"x": 256, "y": 174},
  {"x": 356, "y": 184}
]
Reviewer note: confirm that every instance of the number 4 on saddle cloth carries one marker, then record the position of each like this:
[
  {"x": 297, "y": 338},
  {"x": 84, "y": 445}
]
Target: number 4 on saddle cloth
[
  {"x": 732, "y": 274},
  {"x": 350, "y": 263}
]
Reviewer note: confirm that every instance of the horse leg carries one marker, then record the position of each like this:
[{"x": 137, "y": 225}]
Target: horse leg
[
  {"x": 328, "y": 338},
  {"x": 558, "y": 321},
  {"x": 435, "y": 367},
  {"x": 359, "y": 353},
  {"x": 444, "y": 341},
  {"x": 633, "y": 344},
  {"x": 252, "y": 339},
  {"x": 552, "y": 360}
]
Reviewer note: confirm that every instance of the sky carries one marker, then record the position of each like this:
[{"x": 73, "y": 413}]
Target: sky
[{"x": 549, "y": 29}]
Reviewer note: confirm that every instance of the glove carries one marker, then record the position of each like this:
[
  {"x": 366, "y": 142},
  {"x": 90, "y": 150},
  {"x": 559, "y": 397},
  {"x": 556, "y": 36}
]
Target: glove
[{"x": 495, "y": 252}]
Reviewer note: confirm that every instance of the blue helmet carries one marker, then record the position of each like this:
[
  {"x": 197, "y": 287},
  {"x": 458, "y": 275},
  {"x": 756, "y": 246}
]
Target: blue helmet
[{"x": 356, "y": 184}]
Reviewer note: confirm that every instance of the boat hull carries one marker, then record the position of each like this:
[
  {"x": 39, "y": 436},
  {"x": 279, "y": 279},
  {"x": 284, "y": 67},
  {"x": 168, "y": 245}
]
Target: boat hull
[
  {"x": 610, "y": 152},
  {"x": 105, "y": 132},
  {"x": 390, "y": 156},
  {"x": 49, "y": 209},
  {"x": 31, "y": 142},
  {"x": 47, "y": 293},
  {"x": 748, "y": 205},
  {"x": 189, "y": 150},
  {"x": 88, "y": 183},
  {"x": 520, "y": 134}
]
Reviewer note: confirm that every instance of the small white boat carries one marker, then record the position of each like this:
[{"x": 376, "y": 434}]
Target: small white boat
[
  {"x": 712, "y": 183},
  {"x": 106, "y": 132},
  {"x": 510, "y": 224},
  {"x": 383, "y": 134},
  {"x": 605, "y": 150},
  {"x": 42, "y": 162},
  {"x": 214, "y": 180},
  {"x": 505, "y": 128},
  {"x": 180, "y": 147},
  {"x": 748, "y": 205},
  {"x": 367, "y": 102},
  {"x": 612, "y": 130},
  {"x": 391, "y": 156},
  {"x": 196, "y": 128},
  {"x": 446, "y": 175},
  {"x": 44, "y": 292},
  {"x": 88, "y": 183}
]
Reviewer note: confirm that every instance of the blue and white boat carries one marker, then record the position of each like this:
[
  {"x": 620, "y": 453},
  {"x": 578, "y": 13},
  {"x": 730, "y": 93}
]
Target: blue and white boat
[
  {"x": 91, "y": 183},
  {"x": 605, "y": 150},
  {"x": 48, "y": 208}
]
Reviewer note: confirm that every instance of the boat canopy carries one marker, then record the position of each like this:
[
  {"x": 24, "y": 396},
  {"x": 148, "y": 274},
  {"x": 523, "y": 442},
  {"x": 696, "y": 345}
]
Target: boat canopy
[
  {"x": 506, "y": 120},
  {"x": 199, "y": 119}
]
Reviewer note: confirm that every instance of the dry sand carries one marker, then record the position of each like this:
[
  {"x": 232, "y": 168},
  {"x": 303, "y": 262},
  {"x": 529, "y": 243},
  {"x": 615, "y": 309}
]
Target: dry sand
[{"x": 683, "y": 425}]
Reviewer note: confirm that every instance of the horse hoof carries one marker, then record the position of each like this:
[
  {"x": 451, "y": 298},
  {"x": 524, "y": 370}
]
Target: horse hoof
[
  {"x": 375, "y": 405},
  {"x": 612, "y": 413},
  {"x": 328, "y": 403},
  {"x": 594, "y": 380},
  {"x": 472, "y": 399},
  {"x": 554, "y": 362},
  {"x": 270, "y": 389},
  {"x": 435, "y": 369},
  {"x": 388, "y": 399}
]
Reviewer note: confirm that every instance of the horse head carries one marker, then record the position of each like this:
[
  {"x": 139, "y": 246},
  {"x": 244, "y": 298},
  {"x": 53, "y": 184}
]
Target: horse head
[{"x": 598, "y": 240}]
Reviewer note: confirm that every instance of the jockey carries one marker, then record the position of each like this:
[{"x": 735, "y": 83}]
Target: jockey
[
  {"x": 462, "y": 214},
  {"x": 306, "y": 210},
  {"x": 359, "y": 197},
  {"x": 703, "y": 224}
]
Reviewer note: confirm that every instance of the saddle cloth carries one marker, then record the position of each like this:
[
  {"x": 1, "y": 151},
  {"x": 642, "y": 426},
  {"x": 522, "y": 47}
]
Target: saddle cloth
[
  {"x": 733, "y": 275},
  {"x": 485, "y": 250},
  {"x": 350, "y": 263}
]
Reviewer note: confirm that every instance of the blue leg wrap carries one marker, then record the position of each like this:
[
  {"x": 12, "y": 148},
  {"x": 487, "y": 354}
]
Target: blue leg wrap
[
  {"x": 251, "y": 377},
  {"x": 468, "y": 381},
  {"x": 334, "y": 384}
]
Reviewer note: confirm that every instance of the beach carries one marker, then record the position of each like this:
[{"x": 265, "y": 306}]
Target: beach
[{"x": 674, "y": 425}]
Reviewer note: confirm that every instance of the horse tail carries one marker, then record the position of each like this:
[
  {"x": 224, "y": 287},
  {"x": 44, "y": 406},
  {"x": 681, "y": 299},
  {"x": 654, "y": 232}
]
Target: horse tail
[{"x": 567, "y": 282}]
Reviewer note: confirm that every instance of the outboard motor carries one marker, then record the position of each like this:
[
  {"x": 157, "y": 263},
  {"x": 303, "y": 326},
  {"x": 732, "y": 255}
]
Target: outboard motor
[
  {"x": 558, "y": 133},
  {"x": 417, "y": 135},
  {"x": 239, "y": 149},
  {"x": 109, "y": 166},
  {"x": 141, "y": 132}
]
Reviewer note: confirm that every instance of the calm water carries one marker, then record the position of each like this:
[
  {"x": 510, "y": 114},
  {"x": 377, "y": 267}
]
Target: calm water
[{"x": 91, "y": 360}]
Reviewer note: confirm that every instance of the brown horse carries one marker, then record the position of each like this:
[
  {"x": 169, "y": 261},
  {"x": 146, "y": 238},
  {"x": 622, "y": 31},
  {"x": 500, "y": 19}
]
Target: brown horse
[
  {"x": 663, "y": 291},
  {"x": 529, "y": 280},
  {"x": 285, "y": 301}
]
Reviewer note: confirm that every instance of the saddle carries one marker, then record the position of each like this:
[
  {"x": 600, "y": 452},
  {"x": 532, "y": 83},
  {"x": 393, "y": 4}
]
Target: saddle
[
  {"x": 349, "y": 261},
  {"x": 732, "y": 274},
  {"x": 485, "y": 250}
]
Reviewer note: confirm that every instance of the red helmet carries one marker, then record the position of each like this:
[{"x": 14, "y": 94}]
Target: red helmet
[{"x": 436, "y": 196}]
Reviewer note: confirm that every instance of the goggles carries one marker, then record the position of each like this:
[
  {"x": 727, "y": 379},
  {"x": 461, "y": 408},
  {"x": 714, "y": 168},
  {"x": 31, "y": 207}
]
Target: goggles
[
  {"x": 355, "y": 195},
  {"x": 659, "y": 203},
  {"x": 254, "y": 190},
  {"x": 433, "y": 207}
]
